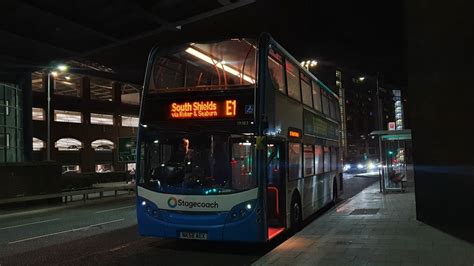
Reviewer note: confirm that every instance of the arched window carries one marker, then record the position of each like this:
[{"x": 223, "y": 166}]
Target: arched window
[
  {"x": 102, "y": 145},
  {"x": 68, "y": 144},
  {"x": 38, "y": 144}
]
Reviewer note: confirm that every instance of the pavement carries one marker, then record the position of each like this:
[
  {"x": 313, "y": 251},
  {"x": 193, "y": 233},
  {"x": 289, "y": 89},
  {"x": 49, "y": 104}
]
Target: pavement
[{"x": 371, "y": 229}]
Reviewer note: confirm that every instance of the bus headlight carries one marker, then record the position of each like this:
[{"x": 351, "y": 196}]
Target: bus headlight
[
  {"x": 241, "y": 210},
  {"x": 149, "y": 208}
]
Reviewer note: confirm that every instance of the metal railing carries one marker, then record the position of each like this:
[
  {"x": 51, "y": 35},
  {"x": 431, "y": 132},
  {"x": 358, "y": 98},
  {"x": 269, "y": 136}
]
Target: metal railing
[{"x": 69, "y": 194}]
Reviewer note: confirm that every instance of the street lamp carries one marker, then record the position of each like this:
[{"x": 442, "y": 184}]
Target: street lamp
[
  {"x": 51, "y": 72},
  {"x": 309, "y": 63}
]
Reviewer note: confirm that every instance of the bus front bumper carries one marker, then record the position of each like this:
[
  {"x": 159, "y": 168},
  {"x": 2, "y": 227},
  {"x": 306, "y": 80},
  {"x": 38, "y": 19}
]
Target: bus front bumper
[{"x": 213, "y": 227}]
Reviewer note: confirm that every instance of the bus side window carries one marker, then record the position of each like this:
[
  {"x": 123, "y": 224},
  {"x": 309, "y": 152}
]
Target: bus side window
[
  {"x": 275, "y": 68},
  {"x": 318, "y": 159},
  {"x": 294, "y": 160},
  {"x": 327, "y": 160},
  {"x": 333, "y": 158},
  {"x": 308, "y": 160}
]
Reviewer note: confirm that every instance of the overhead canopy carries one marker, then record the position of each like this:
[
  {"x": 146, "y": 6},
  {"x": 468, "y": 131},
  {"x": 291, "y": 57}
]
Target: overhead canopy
[{"x": 112, "y": 38}]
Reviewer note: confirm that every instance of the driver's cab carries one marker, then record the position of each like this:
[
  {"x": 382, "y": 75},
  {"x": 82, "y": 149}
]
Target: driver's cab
[{"x": 196, "y": 163}]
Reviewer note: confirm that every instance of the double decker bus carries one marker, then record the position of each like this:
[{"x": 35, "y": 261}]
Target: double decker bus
[{"x": 237, "y": 142}]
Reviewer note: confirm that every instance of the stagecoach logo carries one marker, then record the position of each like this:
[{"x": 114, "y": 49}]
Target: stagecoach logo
[{"x": 172, "y": 202}]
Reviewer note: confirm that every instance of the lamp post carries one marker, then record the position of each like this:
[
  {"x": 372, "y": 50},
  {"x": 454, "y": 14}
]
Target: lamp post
[
  {"x": 54, "y": 73},
  {"x": 309, "y": 63}
]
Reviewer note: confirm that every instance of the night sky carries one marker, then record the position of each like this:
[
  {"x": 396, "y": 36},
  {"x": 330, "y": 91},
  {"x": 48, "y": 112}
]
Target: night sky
[
  {"x": 364, "y": 36},
  {"x": 361, "y": 36}
]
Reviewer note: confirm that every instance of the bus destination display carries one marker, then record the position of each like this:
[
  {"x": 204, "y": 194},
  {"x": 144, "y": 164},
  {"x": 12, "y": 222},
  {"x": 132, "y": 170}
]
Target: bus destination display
[{"x": 203, "y": 109}]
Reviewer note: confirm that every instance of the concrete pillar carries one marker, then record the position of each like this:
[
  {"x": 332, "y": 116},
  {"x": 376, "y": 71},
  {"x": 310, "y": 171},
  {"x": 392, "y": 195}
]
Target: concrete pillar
[
  {"x": 27, "y": 99},
  {"x": 439, "y": 44}
]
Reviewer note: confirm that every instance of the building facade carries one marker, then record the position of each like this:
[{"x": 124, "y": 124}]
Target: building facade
[
  {"x": 88, "y": 116},
  {"x": 367, "y": 104},
  {"x": 11, "y": 123}
]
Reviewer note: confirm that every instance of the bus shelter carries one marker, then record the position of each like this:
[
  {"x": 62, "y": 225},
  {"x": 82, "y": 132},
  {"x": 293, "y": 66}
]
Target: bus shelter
[{"x": 395, "y": 159}]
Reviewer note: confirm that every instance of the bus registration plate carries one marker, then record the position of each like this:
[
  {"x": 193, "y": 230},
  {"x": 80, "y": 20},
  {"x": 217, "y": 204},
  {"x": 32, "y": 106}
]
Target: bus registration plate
[{"x": 193, "y": 235}]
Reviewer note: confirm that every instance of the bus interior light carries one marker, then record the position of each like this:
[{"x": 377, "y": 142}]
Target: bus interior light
[
  {"x": 249, "y": 206},
  {"x": 220, "y": 65},
  {"x": 143, "y": 203},
  {"x": 156, "y": 141}
]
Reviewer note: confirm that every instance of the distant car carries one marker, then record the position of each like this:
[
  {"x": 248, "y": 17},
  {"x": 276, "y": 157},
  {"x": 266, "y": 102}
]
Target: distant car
[
  {"x": 354, "y": 168},
  {"x": 360, "y": 167}
]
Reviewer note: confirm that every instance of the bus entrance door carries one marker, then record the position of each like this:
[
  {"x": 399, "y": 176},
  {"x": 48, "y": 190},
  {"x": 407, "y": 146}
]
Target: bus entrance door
[{"x": 275, "y": 189}]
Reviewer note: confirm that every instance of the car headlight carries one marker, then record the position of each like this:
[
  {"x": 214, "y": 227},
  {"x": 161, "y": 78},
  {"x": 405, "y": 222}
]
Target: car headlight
[
  {"x": 370, "y": 166},
  {"x": 347, "y": 167}
]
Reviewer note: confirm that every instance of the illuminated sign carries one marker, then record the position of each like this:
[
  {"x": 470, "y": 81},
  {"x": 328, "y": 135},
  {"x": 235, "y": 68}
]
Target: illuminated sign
[
  {"x": 173, "y": 202},
  {"x": 203, "y": 109},
  {"x": 294, "y": 133}
]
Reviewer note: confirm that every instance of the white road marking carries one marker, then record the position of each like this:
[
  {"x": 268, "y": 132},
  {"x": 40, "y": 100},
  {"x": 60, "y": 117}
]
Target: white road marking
[
  {"x": 21, "y": 225},
  {"x": 67, "y": 231},
  {"x": 110, "y": 210}
]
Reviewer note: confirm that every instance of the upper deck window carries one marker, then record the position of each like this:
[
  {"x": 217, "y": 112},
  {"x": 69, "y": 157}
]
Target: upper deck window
[
  {"x": 293, "y": 81},
  {"x": 275, "y": 67},
  {"x": 325, "y": 101},
  {"x": 317, "y": 96},
  {"x": 205, "y": 66},
  {"x": 306, "y": 89}
]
